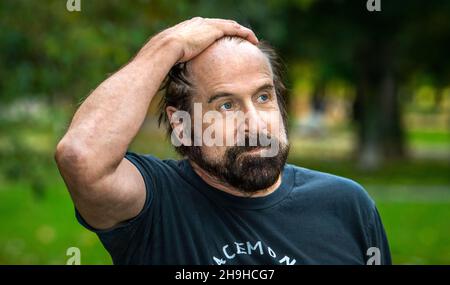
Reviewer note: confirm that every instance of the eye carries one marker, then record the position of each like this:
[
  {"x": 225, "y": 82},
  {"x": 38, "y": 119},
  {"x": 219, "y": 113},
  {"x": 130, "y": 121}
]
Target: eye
[
  {"x": 262, "y": 98},
  {"x": 226, "y": 106}
]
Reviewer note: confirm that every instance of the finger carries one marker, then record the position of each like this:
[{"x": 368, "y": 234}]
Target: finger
[
  {"x": 236, "y": 30},
  {"x": 251, "y": 36},
  {"x": 221, "y": 20},
  {"x": 232, "y": 28}
]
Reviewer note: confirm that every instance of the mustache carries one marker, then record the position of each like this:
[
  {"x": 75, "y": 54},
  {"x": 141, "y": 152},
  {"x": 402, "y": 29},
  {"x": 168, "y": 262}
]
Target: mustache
[
  {"x": 255, "y": 141},
  {"x": 249, "y": 143}
]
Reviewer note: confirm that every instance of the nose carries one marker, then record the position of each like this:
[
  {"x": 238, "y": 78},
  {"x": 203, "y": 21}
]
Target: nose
[{"x": 253, "y": 123}]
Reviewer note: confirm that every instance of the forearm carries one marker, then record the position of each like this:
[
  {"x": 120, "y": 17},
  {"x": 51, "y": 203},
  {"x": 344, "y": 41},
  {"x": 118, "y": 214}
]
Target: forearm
[{"x": 109, "y": 119}]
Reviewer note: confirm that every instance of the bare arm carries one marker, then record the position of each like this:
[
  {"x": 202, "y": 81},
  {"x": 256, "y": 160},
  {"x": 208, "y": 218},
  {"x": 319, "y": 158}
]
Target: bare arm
[{"x": 105, "y": 187}]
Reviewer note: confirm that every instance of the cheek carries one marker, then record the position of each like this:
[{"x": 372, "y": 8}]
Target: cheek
[
  {"x": 273, "y": 123},
  {"x": 219, "y": 132}
]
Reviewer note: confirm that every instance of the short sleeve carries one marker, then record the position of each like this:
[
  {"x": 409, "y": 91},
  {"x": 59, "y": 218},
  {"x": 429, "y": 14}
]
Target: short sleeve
[
  {"x": 377, "y": 238},
  {"x": 117, "y": 239}
]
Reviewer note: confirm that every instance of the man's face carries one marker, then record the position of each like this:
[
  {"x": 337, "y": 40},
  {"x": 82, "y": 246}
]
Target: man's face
[{"x": 234, "y": 78}]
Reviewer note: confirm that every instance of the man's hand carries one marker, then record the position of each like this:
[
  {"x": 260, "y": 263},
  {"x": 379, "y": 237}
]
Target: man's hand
[
  {"x": 105, "y": 187},
  {"x": 193, "y": 36}
]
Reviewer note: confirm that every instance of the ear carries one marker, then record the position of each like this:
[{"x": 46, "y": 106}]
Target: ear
[
  {"x": 170, "y": 110},
  {"x": 180, "y": 122}
]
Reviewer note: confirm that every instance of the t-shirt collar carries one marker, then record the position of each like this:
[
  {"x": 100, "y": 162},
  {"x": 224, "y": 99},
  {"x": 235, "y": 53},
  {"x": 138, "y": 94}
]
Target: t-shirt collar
[{"x": 287, "y": 181}]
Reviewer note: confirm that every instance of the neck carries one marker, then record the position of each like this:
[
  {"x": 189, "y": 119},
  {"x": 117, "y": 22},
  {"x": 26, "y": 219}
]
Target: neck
[{"x": 218, "y": 184}]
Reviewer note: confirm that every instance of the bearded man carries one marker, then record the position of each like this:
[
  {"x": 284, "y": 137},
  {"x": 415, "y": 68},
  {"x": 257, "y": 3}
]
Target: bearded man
[{"x": 230, "y": 203}]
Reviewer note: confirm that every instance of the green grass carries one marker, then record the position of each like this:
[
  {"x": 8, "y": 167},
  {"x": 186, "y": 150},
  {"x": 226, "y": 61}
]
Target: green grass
[
  {"x": 39, "y": 229},
  {"x": 429, "y": 137},
  {"x": 401, "y": 172},
  {"x": 38, "y": 223},
  {"x": 418, "y": 232}
]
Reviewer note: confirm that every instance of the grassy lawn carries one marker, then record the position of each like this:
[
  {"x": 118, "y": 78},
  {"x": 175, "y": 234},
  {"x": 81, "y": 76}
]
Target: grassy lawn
[
  {"x": 39, "y": 229},
  {"x": 418, "y": 232},
  {"x": 38, "y": 223}
]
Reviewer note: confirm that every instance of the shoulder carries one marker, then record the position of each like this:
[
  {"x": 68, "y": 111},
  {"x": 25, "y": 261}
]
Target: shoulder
[
  {"x": 156, "y": 172},
  {"x": 149, "y": 160},
  {"x": 149, "y": 163},
  {"x": 332, "y": 190}
]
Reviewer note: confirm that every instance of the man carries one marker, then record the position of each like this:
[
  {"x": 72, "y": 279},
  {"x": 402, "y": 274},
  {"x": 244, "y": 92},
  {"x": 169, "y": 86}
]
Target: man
[{"x": 221, "y": 204}]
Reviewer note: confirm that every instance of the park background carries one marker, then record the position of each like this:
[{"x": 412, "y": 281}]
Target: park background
[{"x": 369, "y": 99}]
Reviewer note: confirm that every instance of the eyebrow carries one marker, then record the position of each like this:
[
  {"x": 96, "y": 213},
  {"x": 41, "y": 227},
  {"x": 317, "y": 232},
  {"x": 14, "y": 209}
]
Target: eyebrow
[{"x": 267, "y": 86}]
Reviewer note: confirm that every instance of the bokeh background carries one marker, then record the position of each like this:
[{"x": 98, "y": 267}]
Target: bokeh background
[{"x": 369, "y": 99}]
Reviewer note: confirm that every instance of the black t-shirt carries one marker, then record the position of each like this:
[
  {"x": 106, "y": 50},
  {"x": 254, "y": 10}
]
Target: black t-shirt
[{"x": 312, "y": 218}]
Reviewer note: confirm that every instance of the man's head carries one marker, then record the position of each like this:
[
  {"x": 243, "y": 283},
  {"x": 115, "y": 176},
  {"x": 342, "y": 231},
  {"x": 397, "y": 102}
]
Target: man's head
[{"x": 232, "y": 76}]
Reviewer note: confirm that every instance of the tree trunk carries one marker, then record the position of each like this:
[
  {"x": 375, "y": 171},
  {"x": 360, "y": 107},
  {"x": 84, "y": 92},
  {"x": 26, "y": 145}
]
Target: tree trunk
[{"x": 377, "y": 111}]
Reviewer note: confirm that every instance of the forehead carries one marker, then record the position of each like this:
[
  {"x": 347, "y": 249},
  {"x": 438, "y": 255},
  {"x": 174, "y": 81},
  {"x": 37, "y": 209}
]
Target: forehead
[{"x": 232, "y": 66}]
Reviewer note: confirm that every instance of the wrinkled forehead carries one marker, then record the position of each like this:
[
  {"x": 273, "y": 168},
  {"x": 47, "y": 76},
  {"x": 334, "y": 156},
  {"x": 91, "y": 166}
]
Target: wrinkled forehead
[{"x": 230, "y": 63}]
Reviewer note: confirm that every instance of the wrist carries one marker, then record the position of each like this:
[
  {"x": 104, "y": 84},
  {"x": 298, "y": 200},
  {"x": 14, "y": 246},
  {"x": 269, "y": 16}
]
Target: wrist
[
  {"x": 168, "y": 46},
  {"x": 173, "y": 44}
]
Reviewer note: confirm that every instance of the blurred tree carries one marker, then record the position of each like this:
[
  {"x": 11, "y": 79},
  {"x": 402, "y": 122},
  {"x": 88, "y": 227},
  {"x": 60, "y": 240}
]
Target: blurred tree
[
  {"x": 377, "y": 52},
  {"x": 47, "y": 51}
]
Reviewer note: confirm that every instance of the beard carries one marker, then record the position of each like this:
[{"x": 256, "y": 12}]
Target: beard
[{"x": 243, "y": 167}]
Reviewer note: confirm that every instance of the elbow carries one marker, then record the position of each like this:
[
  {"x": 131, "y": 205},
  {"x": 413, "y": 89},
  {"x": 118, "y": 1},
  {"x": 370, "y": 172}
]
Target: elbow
[
  {"x": 77, "y": 163},
  {"x": 72, "y": 159},
  {"x": 74, "y": 165},
  {"x": 68, "y": 153}
]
